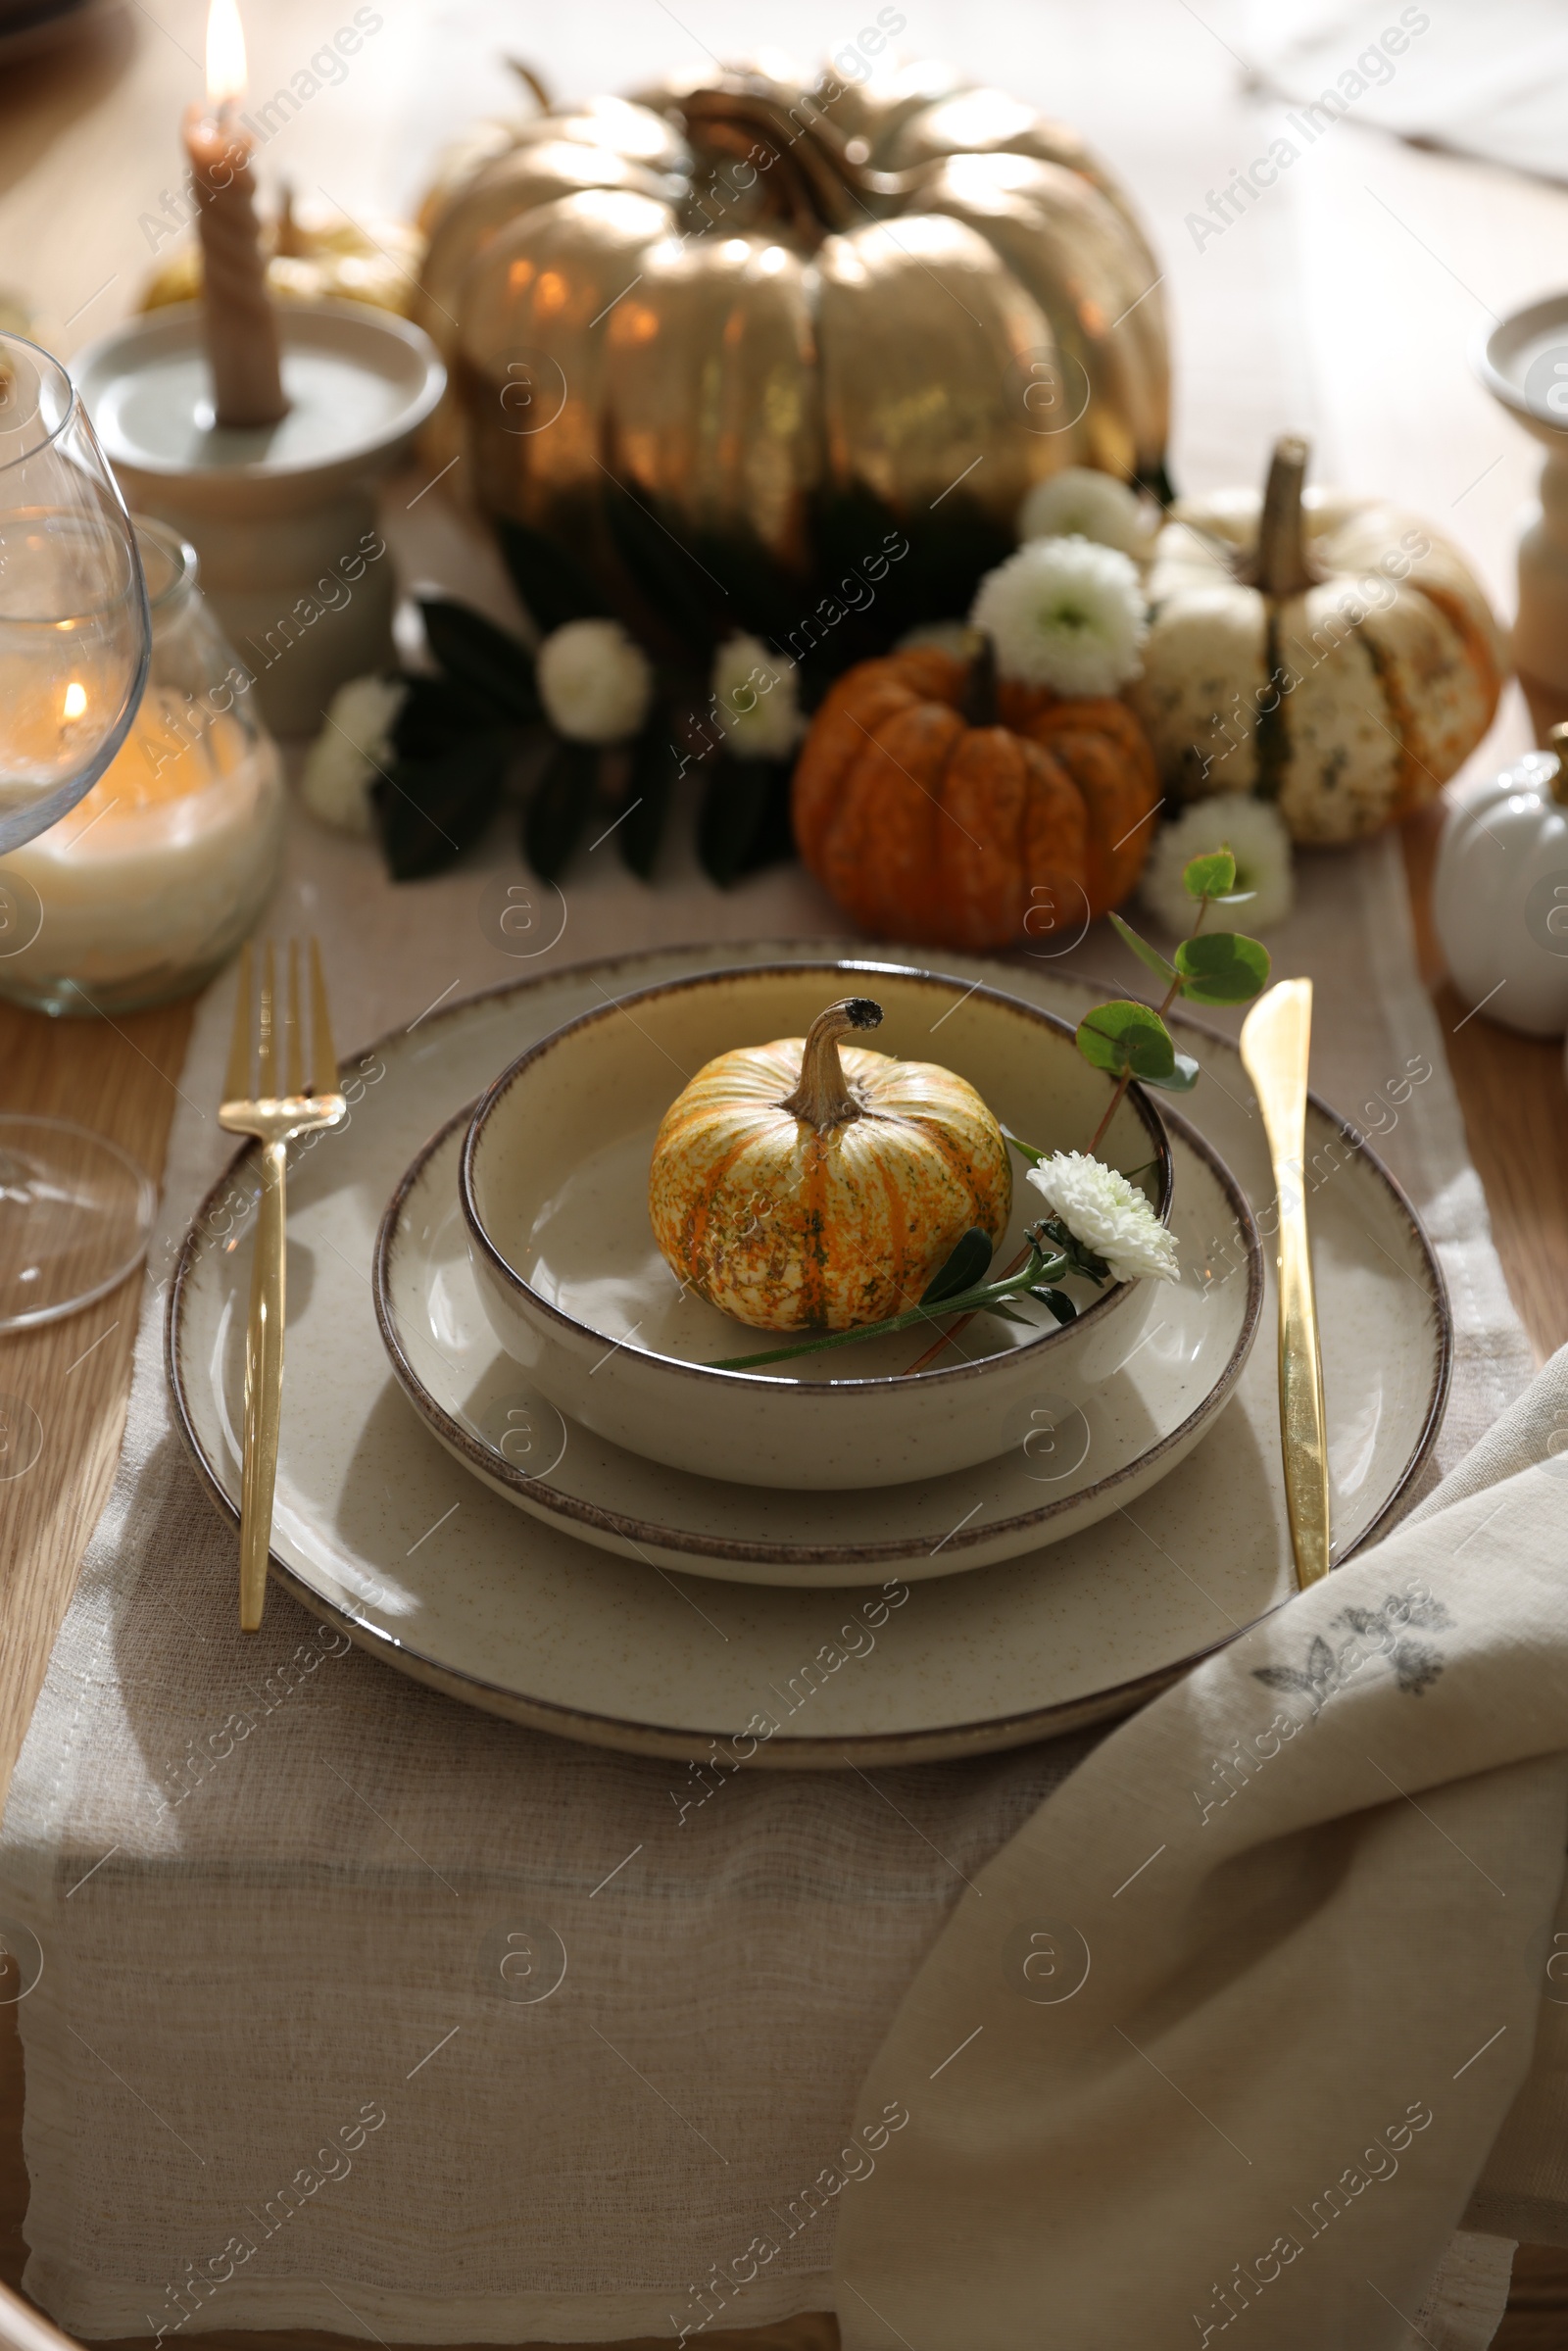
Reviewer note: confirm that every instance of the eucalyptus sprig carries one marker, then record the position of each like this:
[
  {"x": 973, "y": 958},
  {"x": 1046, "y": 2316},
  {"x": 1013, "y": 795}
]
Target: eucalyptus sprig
[
  {"x": 960, "y": 1286},
  {"x": 1129, "y": 1040}
]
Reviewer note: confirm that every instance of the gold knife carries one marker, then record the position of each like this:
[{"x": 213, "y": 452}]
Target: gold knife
[{"x": 1276, "y": 1039}]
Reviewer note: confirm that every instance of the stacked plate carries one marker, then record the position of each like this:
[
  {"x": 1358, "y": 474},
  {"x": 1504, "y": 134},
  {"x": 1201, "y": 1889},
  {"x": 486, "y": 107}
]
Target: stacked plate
[{"x": 1047, "y": 1533}]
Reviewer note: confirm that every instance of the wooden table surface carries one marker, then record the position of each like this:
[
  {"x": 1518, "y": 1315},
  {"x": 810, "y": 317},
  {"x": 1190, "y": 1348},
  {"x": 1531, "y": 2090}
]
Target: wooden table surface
[{"x": 1327, "y": 311}]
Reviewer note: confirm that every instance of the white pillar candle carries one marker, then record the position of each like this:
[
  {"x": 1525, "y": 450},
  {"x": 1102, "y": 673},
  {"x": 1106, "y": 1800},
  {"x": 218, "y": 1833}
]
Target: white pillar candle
[{"x": 154, "y": 878}]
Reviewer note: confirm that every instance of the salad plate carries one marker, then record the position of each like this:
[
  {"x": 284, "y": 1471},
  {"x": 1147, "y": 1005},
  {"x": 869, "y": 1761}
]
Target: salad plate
[{"x": 1060, "y": 1464}]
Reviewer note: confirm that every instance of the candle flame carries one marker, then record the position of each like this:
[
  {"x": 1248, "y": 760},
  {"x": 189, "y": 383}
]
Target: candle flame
[
  {"x": 225, "y": 53},
  {"x": 76, "y": 699}
]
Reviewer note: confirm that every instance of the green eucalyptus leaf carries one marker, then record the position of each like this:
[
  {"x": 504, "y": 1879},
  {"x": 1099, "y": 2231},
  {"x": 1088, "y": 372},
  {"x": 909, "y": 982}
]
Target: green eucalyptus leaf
[
  {"x": 969, "y": 1263},
  {"x": 1149, "y": 955},
  {"x": 1125, "y": 1038},
  {"x": 1061, "y": 1304},
  {"x": 1210, "y": 877},
  {"x": 1222, "y": 968},
  {"x": 1180, "y": 1080}
]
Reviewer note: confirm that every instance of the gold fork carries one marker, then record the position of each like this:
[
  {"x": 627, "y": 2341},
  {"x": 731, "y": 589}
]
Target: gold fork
[{"x": 273, "y": 1118}]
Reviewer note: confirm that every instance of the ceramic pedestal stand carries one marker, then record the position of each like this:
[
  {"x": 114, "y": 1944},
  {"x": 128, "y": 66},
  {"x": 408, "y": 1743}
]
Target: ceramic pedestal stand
[
  {"x": 1524, "y": 364},
  {"x": 282, "y": 516}
]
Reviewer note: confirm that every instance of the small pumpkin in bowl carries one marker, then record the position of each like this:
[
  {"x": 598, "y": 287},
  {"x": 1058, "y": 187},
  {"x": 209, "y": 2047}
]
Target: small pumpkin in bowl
[
  {"x": 793, "y": 1185},
  {"x": 938, "y": 804},
  {"x": 1327, "y": 652}
]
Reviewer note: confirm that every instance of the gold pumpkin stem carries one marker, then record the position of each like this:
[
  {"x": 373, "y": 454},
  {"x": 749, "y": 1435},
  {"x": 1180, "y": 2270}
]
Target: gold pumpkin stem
[
  {"x": 1279, "y": 564},
  {"x": 537, "y": 89},
  {"x": 823, "y": 1097}
]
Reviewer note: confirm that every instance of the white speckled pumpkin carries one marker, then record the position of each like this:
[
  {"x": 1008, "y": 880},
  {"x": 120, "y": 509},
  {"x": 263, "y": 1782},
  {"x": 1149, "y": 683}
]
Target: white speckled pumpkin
[
  {"x": 1330, "y": 654},
  {"x": 793, "y": 1186}
]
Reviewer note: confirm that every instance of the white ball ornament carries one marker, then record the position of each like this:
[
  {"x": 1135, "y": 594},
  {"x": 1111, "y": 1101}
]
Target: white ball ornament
[{"x": 1500, "y": 896}]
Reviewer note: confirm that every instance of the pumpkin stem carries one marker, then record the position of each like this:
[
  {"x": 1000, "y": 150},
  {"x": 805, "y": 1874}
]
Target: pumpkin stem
[
  {"x": 978, "y": 707},
  {"x": 823, "y": 1097},
  {"x": 1279, "y": 564},
  {"x": 1557, "y": 740},
  {"x": 814, "y": 176},
  {"x": 537, "y": 89}
]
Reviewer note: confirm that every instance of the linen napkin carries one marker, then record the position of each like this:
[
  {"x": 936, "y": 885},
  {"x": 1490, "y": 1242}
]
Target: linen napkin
[{"x": 1267, "y": 1999}]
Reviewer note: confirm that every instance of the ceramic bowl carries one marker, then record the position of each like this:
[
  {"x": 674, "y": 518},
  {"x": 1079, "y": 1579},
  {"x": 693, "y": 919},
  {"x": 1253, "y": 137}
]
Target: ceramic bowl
[{"x": 554, "y": 1189}]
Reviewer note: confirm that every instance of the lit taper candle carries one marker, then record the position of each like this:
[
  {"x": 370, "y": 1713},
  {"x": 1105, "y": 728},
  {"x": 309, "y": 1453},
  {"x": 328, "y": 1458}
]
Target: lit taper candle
[{"x": 241, "y": 325}]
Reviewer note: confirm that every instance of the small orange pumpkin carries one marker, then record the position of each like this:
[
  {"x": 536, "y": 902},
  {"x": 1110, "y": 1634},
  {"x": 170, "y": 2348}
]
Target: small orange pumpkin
[
  {"x": 790, "y": 1187},
  {"x": 938, "y": 805}
]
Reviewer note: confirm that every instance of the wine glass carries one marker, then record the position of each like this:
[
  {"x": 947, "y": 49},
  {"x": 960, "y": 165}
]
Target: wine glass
[{"x": 74, "y": 645}]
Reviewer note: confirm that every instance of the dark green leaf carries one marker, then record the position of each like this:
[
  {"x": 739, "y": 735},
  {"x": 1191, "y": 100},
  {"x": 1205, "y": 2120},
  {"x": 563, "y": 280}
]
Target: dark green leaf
[
  {"x": 1061, "y": 1304},
  {"x": 1127, "y": 1037},
  {"x": 549, "y": 577},
  {"x": 495, "y": 668},
  {"x": 655, "y": 767},
  {"x": 743, "y": 823},
  {"x": 677, "y": 587},
  {"x": 562, "y": 803},
  {"x": 1006, "y": 1314},
  {"x": 1222, "y": 968},
  {"x": 969, "y": 1264},
  {"x": 1211, "y": 876},
  {"x": 429, "y": 811},
  {"x": 1180, "y": 1080},
  {"x": 1151, "y": 955},
  {"x": 434, "y": 715}
]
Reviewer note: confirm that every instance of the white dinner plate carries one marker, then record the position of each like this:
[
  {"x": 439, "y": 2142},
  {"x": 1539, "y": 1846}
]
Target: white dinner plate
[
  {"x": 1064, "y": 1466},
  {"x": 378, "y": 1527}
]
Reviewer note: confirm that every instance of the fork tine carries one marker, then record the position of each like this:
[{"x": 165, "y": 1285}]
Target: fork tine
[
  {"x": 323, "y": 1058},
  {"x": 266, "y": 1078},
  {"x": 294, "y": 1077},
  {"x": 237, "y": 1079}
]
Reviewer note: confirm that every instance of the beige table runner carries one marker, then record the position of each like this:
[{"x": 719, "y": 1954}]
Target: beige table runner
[{"x": 269, "y": 2082}]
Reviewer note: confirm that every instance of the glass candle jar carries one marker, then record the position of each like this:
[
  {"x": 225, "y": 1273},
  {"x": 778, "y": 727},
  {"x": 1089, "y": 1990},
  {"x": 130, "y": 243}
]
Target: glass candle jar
[{"x": 148, "y": 886}]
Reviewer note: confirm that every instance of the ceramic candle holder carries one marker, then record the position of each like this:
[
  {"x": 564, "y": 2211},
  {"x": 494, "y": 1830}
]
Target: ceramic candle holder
[
  {"x": 1524, "y": 364},
  {"x": 282, "y": 517},
  {"x": 147, "y": 886}
]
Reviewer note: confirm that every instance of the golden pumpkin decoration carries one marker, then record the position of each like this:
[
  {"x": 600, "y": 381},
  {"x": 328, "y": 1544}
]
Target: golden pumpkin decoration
[
  {"x": 940, "y": 805},
  {"x": 313, "y": 256},
  {"x": 1327, "y": 652},
  {"x": 775, "y": 317},
  {"x": 795, "y": 1187}
]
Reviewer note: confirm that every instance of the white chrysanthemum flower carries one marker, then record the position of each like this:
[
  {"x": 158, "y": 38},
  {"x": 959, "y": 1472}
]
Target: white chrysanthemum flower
[
  {"x": 354, "y": 745},
  {"x": 758, "y": 705},
  {"x": 954, "y": 637},
  {"x": 1252, "y": 830},
  {"x": 595, "y": 683},
  {"x": 1109, "y": 1216},
  {"x": 1086, "y": 504},
  {"x": 1065, "y": 614}
]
